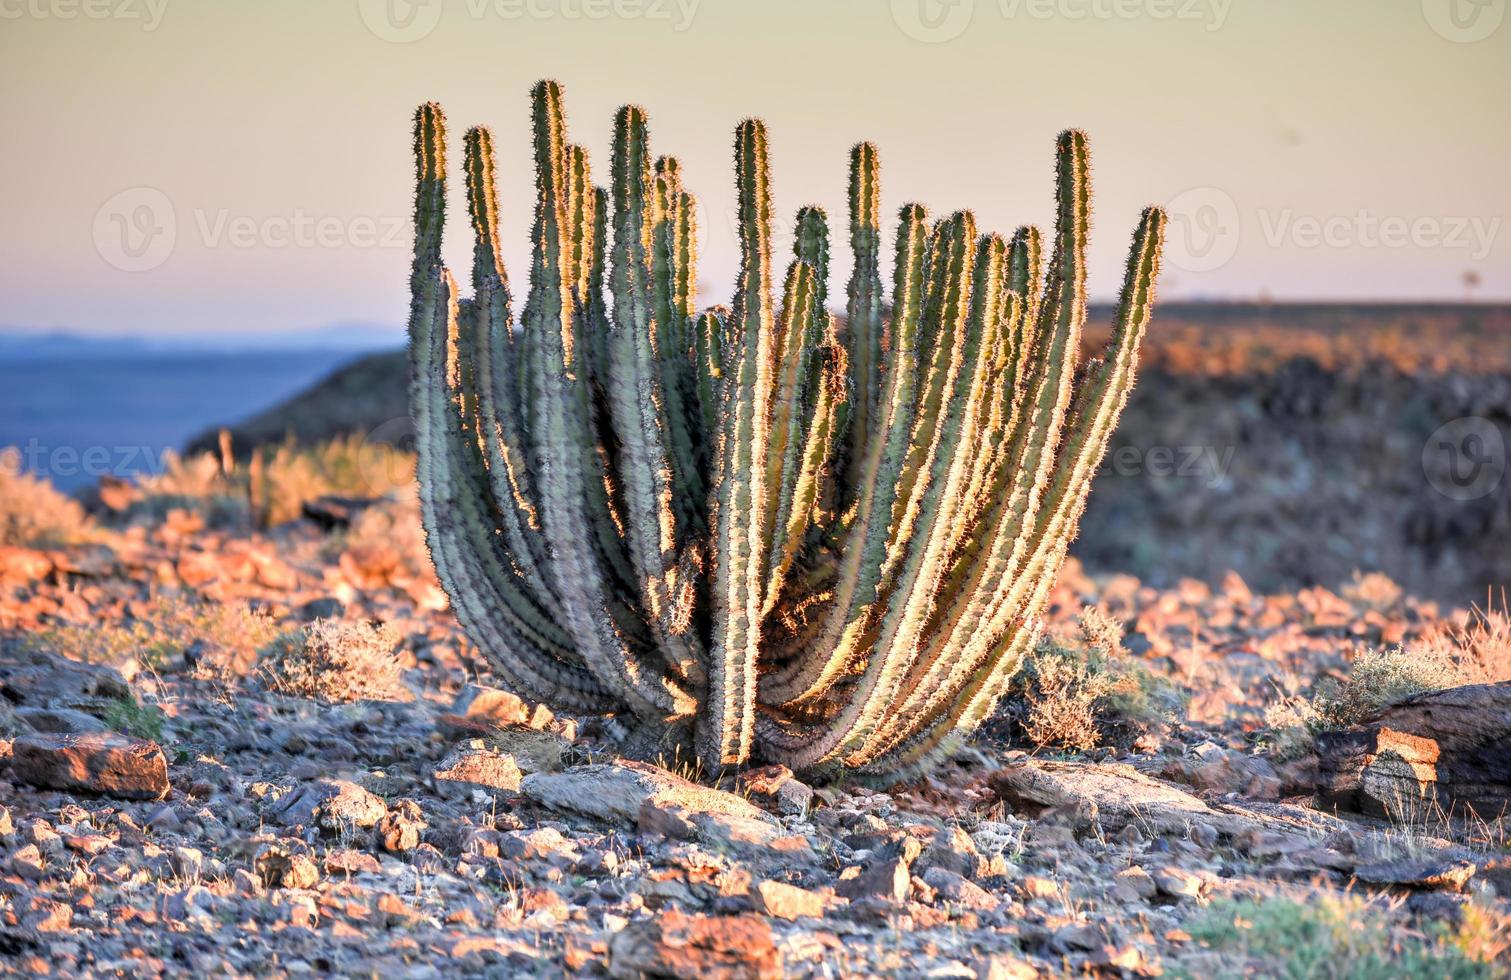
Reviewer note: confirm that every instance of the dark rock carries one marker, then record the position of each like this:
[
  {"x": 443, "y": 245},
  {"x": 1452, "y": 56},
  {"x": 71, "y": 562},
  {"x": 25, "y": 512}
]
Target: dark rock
[
  {"x": 98, "y": 762},
  {"x": 1448, "y": 749}
]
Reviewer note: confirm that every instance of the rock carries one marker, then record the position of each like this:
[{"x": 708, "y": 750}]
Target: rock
[
  {"x": 1431, "y": 873},
  {"x": 783, "y": 901},
  {"x": 1228, "y": 771},
  {"x": 695, "y": 947},
  {"x": 479, "y": 766},
  {"x": 887, "y": 879},
  {"x": 1177, "y": 883},
  {"x": 1112, "y": 795},
  {"x": 953, "y": 850},
  {"x": 1001, "y": 966},
  {"x": 59, "y": 721},
  {"x": 346, "y": 861},
  {"x": 1136, "y": 880},
  {"x": 98, "y": 762},
  {"x": 333, "y": 805},
  {"x": 399, "y": 830},
  {"x": 775, "y": 789},
  {"x": 285, "y": 864},
  {"x": 615, "y": 792},
  {"x": 479, "y": 710},
  {"x": 541, "y": 844},
  {"x": 31, "y": 677},
  {"x": 188, "y": 862},
  {"x": 1448, "y": 749},
  {"x": 23, "y": 565},
  {"x": 958, "y": 889}
]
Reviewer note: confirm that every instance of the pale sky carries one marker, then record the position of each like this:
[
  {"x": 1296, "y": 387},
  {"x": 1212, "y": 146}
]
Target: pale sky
[{"x": 218, "y": 166}]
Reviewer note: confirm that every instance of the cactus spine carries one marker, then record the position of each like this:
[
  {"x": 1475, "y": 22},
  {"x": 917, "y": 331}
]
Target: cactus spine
[{"x": 815, "y": 542}]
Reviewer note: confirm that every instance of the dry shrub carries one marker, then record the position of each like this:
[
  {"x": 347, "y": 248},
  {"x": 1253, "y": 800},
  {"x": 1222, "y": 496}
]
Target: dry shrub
[
  {"x": 1473, "y": 649},
  {"x": 274, "y": 487},
  {"x": 33, "y": 513},
  {"x": 1077, "y": 696},
  {"x": 344, "y": 467},
  {"x": 1377, "y": 678},
  {"x": 219, "y": 637},
  {"x": 1479, "y": 644},
  {"x": 335, "y": 661}
]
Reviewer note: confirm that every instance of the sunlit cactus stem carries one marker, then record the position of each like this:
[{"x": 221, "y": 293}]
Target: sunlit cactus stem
[{"x": 760, "y": 532}]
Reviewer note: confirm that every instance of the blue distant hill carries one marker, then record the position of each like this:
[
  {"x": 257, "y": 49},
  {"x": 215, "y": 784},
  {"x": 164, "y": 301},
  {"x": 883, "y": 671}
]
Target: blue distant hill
[{"x": 18, "y": 345}]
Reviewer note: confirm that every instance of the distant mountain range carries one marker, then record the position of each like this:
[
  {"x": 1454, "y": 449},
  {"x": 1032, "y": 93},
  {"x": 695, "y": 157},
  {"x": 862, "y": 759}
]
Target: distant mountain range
[{"x": 19, "y": 344}]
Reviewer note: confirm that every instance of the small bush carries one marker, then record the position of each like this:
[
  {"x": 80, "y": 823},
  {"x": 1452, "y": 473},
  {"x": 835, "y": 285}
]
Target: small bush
[
  {"x": 333, "y": 661},
  {"x": 131, "y": 717},
  {"x": 1377, "y": 678},
  {"x": 33, "y": 513},
  {"x": 1329, "y": 936},
  {"x": 1078, "y": 695}
]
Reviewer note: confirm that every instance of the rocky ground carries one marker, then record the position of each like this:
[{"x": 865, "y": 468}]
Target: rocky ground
[{"x": 177, "y": 795}]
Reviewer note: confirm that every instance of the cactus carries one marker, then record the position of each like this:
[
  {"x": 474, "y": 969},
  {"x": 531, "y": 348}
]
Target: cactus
[{"x": 762, "y": 530}]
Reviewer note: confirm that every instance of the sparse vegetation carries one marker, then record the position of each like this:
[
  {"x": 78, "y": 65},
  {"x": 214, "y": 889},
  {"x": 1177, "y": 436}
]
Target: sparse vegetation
[
  {"x": 132, "y": 717},
  {"x": 1076, "y": 696},
  {"x": 33, "y": 513},
  {"x": 1340, "y": 936},
  {"x": 272, "y": 487},
  {"x": 1474, "y": 649},
  {"x": 336, "y": 661},
  {"x": 162, "y": 631}
]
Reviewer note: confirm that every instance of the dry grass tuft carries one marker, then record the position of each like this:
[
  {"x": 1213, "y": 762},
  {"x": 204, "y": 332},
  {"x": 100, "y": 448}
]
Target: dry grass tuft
[
  {"x": 221, "y": 637},
  {"x": 33, "y": 513},
  {"x": 334, "y": 661}
]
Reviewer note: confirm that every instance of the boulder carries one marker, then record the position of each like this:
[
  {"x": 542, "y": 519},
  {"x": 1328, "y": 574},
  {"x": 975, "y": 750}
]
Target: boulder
[
  {"x": 783, "y": 901},
  {"x": 696, "y": 947},
  {"x": 615, "y": 792},
  {"x": 481, "y": 767},
  {"x": 105, "y": 763},
  {"x": 1448, "y": 749},
  {"x": 332, "y": 805}
]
